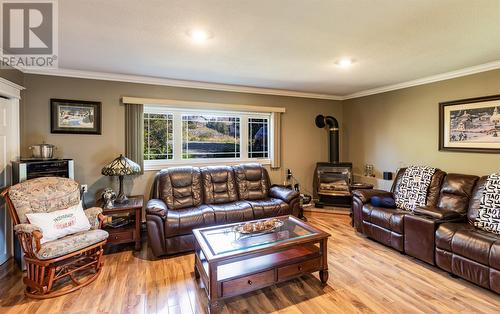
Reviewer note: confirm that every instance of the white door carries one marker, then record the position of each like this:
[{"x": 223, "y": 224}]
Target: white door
[{"x": 9, "y": 141}]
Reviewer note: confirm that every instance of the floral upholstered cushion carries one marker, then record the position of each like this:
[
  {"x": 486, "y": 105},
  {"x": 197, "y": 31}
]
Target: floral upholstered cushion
[
  {"x": 70, "y": 244},
  {"x": 43, "y": 195}
]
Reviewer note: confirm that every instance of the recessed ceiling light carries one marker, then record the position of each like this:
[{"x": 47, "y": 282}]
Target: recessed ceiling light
[
  {"x": 199, "y": 36},
  {"x": 344, "y": 62}
]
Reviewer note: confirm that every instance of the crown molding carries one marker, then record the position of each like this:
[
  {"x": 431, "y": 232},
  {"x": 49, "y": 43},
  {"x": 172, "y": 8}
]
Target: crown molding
[
  {"x": 426, "y": 80},
  {"x": 257, "y": 90},
  {"x": 10, "y": 89},
  {"x": 176, "y": 83}
]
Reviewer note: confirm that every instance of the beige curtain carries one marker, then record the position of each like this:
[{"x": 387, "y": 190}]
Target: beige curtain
[
  {"x": 276, "y": 141},
  {"x": 134, "y": 133}
]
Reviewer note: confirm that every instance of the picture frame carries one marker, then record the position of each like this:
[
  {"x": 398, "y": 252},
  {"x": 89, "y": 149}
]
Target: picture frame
[
  {"x": 75, "y": 116},
  {"x": 470, "y": 125}
]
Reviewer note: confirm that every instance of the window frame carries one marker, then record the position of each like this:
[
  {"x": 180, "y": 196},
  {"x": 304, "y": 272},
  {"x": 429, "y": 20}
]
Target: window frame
[{"x": 177, "y": 136}]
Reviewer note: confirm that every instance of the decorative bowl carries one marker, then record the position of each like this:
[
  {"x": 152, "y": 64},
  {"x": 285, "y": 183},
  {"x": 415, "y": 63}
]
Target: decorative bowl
[{"x": 261, "y": 226}]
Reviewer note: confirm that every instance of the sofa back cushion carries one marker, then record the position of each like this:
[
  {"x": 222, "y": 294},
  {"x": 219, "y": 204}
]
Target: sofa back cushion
[
  {"x": 475, "y": 201},
  {"x": 434, "y": 187},
  {"x": 252, "y": 181},
  {"x": 179, "y": 187},
  {"x": 219, "y": 185},
  {"x": 456, "y": 192}
]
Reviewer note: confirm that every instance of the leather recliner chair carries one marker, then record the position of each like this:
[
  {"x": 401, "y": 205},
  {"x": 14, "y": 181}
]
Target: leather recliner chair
[
  {"x": 185, "y": 198},
  {"x": 420, "y": 226},
  {"x": 386, "y": 225},
  {"x": 467, "y": 251}
]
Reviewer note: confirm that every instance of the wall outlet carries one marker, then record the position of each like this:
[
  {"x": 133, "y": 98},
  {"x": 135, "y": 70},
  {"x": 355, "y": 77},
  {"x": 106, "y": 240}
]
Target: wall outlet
[{"x": 85, "y": 188}]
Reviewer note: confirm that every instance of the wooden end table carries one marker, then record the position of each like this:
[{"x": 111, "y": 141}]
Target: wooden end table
[
  {"x": 130, "y": 232},
  {"x": 231, "y": 264}
]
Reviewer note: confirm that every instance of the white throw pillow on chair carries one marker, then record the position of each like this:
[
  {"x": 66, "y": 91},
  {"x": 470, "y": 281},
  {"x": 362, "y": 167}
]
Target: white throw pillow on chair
[{"x": 60, "y": 223}]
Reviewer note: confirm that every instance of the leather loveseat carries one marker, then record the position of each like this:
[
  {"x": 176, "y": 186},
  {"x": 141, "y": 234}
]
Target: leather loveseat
[
  {"x": 442, "y": 233},
  {"x": 386, "y": 225},
  {"x": 186, "y": 198}
]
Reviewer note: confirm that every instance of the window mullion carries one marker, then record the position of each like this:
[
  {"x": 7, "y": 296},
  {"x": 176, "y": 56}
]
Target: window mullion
[
  {"x": 244, "y": 137},
  {"x": 177, "y": 136}
]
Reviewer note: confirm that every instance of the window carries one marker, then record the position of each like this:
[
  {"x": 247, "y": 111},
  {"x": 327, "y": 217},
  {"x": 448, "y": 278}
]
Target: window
[
  {"x": 258, "y": 139},
  {"x": 209, "y": 136},
  {"x": 175, "y": 136},
  {"x": 158, "y": 136}
]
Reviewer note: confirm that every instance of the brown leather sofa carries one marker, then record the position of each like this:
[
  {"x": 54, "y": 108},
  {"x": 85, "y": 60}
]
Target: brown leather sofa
[
  {"x": 386, "y": 225},
  {"x": 186, "y": 198},
  {"x": 469, "y": 252},
  {"x": 442, "y": 233}
]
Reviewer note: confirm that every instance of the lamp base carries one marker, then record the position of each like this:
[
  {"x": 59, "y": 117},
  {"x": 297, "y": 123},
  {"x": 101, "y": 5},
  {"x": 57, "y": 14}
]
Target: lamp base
[{"x": 121, "y": 198}]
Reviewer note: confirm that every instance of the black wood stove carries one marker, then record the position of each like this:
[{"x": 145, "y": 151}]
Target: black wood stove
[{"x": 333, "y": 179}]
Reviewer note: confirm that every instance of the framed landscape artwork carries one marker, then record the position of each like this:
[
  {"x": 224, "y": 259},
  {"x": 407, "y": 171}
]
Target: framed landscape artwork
[
  {"x": 75, "y": 116},
  {"x": 470, "y": 125}
]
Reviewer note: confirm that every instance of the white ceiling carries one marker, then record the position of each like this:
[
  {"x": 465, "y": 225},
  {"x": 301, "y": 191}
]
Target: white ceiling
[{"x": 280, "y": 44}]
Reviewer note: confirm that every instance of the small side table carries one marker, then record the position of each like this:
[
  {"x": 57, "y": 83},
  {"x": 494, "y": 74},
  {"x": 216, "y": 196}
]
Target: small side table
[{"x": 130, "y": 232}]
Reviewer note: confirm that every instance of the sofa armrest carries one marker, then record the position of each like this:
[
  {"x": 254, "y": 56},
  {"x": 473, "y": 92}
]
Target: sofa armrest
[
  {"x": 282, "y": 193},
  {"x": 438, "y": 213},
  {"x": 365, "y": 195},
  {"x": 95, "y": 217},
  {"x": 157, "y": 207}
]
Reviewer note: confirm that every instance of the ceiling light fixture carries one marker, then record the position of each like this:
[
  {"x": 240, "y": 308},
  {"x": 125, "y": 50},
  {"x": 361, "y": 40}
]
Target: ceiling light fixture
[
  {"x": 199, "y": 36},
  {"x": 344, "y": 62}
]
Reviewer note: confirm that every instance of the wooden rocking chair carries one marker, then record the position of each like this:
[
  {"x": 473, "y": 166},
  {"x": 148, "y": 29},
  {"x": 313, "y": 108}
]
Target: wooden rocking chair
[{"x": 64, "y": 265}]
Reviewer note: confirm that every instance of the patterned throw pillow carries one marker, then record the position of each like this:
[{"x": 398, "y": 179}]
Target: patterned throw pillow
[
  {"x": 488, "y": 218},
  {"x": 60, "y": 223},
  {"x": 412, "y": 191}
]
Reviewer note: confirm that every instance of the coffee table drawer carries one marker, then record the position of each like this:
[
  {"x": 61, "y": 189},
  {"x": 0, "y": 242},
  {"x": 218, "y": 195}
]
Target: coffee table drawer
[
  {"x": 247, "y": 283},
  {"x": 299, "y": 268}
]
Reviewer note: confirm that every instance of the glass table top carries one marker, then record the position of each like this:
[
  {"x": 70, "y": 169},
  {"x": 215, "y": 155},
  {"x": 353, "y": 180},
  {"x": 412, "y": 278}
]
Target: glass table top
[{"x": 224, "y": 240}]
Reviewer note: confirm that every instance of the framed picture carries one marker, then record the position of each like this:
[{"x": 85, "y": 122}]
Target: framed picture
[
  {"x": 75, "y": 116},
  {"x": 470, "y": 125}
]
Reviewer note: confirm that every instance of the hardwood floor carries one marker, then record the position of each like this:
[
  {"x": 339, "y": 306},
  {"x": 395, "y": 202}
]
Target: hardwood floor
[{"x": 365, "y": 277}]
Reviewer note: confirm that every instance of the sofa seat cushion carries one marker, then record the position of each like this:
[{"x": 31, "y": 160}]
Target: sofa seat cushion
[
  {"x": 472, "y": 243},
  {"x": 269, "y": 207},
  {"x": 388, "y": 218},
  {"x": 71, "y": 243},
  {"x": 232, "y": 212},
  {"x": 183, "y": 221}
]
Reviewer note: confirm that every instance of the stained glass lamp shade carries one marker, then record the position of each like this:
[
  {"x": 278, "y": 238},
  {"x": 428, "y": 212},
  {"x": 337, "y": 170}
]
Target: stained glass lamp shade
[{"x": 121, "y": 166}]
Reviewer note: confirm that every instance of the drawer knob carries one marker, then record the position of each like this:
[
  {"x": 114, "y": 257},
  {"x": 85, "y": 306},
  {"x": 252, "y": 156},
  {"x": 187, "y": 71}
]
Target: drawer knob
[
  {"x": 300, "y": 268},
  {"x": 250, "y": 282},
  {"x": 116, "y": 237}
]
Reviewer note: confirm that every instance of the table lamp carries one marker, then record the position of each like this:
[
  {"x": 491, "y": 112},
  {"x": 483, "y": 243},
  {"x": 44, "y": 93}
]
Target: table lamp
[{"x": 121, "y": 166}]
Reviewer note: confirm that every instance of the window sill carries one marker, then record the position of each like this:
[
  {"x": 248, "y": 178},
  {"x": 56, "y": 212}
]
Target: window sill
[{"x": 155, "y": 165}]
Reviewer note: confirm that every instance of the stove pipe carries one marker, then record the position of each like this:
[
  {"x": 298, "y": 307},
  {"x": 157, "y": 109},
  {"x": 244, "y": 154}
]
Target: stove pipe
[{"x": 333, "y": 131}]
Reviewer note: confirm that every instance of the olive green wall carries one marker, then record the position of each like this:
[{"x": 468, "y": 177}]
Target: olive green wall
[
  {"x": 302, "y": 143},
  {"x": 388, "y": 130},
  {"x": 400, "y": 128}
]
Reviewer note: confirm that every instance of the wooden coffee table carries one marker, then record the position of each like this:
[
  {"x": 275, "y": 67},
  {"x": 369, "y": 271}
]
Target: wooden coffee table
[{"x": 231, "y": 264}]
